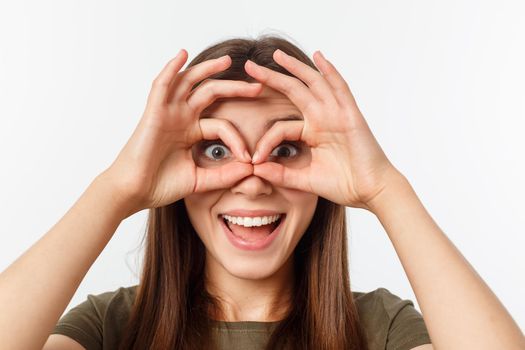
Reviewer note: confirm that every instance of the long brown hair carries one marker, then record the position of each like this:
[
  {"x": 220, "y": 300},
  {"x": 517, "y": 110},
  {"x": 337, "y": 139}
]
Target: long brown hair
[{"x": 171, "y": 308}]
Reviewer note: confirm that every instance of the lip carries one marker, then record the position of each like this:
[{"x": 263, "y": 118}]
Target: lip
[
  {"x": 257, "y": 245},
  {"x": 250, "y": 213}
]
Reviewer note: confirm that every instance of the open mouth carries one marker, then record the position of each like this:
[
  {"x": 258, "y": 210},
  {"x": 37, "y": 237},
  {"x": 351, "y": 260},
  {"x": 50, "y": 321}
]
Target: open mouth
[{"x": 252, "y": 231}]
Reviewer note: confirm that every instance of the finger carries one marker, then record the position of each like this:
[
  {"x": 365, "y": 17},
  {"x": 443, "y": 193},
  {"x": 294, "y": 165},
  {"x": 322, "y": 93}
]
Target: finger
[
  {"x": 161, "y": 83},
  {"x": 211, "y": 89},
  {"x": 184, "y": 81},
  {"x": 225, "y": 176},
  {"x": 341, "y": 89},
  {"x": 315, "y": 81},
  {"x": 213, "y": 128},
  {"x": 281, "y": 130},
  {"x": 293, "y": 88},
  {"x": 282, "y": 176}
]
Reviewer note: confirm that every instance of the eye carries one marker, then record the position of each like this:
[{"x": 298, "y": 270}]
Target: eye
[
  {"x": 215, "y": 150},
  {"x": 285, "y": 150}
]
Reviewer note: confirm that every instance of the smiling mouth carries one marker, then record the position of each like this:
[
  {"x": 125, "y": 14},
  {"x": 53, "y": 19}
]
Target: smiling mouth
[{"x": 253, "y": 233}]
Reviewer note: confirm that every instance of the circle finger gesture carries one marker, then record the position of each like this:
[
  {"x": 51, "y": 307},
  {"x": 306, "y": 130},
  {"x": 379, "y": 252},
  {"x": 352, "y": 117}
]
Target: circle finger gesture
[
  {"x": 347, "y": 164},
  {"x": 156, "y": 166}
]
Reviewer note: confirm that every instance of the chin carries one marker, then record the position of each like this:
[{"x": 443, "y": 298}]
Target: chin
[{"x": 250, "y": 269}]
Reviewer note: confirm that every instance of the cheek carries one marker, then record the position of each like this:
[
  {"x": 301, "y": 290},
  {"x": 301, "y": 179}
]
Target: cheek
[
  {"x": 199, "y": 207},
  {"x": 193, "y": 205},
  {"x": 303, "y": 205},
  {"x": 303, "y": 202},
  {"x": 202, "y": 202}
]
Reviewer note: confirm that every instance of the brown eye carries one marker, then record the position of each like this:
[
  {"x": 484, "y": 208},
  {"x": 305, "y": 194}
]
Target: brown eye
[{"x": 285, "y": 150}]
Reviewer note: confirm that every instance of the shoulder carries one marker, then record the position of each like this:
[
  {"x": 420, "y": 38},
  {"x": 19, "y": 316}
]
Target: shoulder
[
  {"x": 122, "y": 297},
  {"x": 390, "y": 322},
  {"x": 105, "y": 305},
  {"x": 114, "y": 307},
  {"x": 99, "y": 319},
  {"x": 380, "y": 300}
]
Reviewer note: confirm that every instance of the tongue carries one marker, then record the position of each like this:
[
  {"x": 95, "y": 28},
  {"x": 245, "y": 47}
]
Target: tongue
[{"x": 251, "y": 234}]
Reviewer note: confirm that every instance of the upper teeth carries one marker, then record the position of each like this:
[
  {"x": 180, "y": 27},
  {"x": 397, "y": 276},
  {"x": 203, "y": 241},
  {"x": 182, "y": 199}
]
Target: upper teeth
[{"x": 252, "y": 221}]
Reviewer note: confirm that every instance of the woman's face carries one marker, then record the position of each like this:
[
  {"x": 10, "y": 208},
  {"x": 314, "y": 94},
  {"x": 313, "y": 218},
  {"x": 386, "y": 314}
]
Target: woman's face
[{"x": 250, "y": 116}]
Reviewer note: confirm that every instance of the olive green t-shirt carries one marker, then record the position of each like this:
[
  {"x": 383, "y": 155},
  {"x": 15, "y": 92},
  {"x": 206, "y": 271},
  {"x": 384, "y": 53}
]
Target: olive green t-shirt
[{"x": 390, "y": 322}]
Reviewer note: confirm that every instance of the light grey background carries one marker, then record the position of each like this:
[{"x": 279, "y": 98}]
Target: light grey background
[{"x": 440, "y": 83}]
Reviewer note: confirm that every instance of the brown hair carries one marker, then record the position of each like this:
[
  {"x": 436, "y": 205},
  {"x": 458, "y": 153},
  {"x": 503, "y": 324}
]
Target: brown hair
[{"x": 172, "y": 305}]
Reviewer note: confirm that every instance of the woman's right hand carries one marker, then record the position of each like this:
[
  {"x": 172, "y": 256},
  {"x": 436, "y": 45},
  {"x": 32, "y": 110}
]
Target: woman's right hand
[{"x": 156, "y": 166}]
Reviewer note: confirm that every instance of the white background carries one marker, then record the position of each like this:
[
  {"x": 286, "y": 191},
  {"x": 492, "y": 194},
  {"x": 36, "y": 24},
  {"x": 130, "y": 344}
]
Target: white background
[{"x": 440, "y": 83}]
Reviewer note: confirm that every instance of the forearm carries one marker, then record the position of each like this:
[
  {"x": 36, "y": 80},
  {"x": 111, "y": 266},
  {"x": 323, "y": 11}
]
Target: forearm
[
  {"x": 37, "y": 287},
  {"x": 459, "y": 309}
]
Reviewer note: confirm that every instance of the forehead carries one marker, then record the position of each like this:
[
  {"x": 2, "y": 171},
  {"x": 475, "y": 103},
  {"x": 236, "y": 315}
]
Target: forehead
[{"x": 270, "y": 104}]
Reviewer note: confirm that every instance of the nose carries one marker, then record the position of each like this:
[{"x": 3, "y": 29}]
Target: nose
[{"x": 252, "y": 187}]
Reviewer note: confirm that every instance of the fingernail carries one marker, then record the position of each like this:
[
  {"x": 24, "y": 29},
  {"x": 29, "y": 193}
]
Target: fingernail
[
  {"x": 320, "y": 53},
  {"x": 247, "y": 155},
  {"x": 254, "y": 64},
  {"x": 280, "y": 52},
  {"x": 255, "y": 157}
]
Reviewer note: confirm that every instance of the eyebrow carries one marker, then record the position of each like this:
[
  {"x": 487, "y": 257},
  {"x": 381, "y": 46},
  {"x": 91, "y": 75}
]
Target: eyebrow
[
  {"x": 285, "y": 118},
  {"x": 269, "y": 123}
]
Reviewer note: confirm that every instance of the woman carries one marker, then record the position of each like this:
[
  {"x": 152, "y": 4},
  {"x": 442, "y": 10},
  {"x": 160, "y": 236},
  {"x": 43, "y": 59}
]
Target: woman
[{"x": 247, "y": 168}]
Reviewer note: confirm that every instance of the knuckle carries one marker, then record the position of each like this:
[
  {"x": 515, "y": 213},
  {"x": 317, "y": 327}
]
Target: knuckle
[
  {"x": 208, "y": 87},
  {"x": 312, "y": 107},
  {"x": 277, "y": 129},
  {"x": 221, "y": 123},
  {"x": 205, "y": 83},
  {"x": 288, "y": 86},
  {"x": 159, "y": 82},
  {"x": 318, "y": 82},
  {"x": 279, "y": 124},
  {"x": 222, "y": 128}
]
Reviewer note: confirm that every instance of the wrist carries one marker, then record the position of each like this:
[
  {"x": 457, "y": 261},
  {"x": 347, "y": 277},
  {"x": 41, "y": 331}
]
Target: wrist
[
  {"x": 121, "y": 204},
  {"x": 397, "y": 186}
]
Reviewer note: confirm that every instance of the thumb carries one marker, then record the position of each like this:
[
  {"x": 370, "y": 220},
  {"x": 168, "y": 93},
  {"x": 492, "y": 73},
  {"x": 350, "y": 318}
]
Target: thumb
[
  {"x": 208, "y": 179},
  {"x": 283, "y": 176}
]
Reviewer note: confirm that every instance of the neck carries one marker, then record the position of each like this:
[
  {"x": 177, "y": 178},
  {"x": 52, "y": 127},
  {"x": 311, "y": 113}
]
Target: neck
[{"x": 241, "y": 299}]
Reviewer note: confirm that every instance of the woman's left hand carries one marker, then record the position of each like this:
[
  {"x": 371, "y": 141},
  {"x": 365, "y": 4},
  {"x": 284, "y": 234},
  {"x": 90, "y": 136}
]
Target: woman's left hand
[{"x": 347, "y": 165}]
